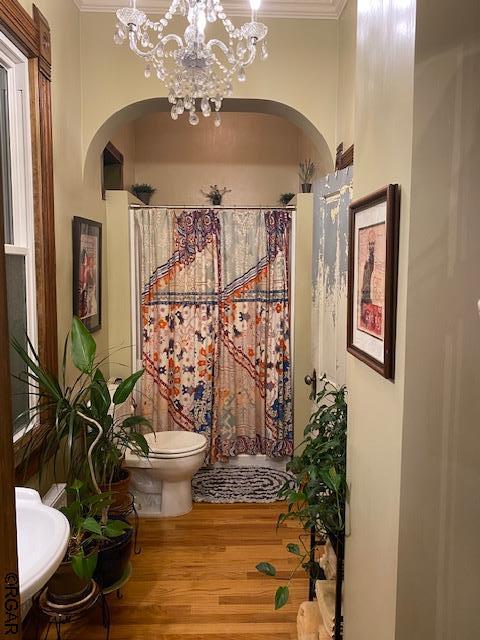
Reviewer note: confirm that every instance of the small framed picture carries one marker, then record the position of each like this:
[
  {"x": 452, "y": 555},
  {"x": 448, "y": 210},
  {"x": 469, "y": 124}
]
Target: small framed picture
[
  {"x": 87, "y": 272},
  {"x": 372, "y": 279}
]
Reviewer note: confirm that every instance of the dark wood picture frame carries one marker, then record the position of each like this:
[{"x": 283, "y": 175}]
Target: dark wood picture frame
[
  {"x": 82, "y": 226},
  {"x": 389, "y": 195}
]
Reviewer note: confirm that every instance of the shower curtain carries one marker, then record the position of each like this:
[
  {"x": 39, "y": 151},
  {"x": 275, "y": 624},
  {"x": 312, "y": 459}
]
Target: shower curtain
[{"x": 215, "y": 314}]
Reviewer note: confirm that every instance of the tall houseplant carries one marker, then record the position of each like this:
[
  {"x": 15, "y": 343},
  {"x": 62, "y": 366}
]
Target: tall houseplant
[
  {"x": 317, "y": 494},
  {"x": 76, "y": 416}
]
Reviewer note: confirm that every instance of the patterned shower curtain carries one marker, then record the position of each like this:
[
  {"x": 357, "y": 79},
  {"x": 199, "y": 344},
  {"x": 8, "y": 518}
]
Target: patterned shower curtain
[{"x": 216, "y": 326}]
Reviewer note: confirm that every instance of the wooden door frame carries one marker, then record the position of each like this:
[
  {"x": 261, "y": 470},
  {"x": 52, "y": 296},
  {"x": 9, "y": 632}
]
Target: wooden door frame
[{"x": 31, "y": 34}]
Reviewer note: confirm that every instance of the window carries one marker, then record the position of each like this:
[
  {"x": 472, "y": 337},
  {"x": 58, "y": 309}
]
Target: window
[{"x": 18, "y": 216}]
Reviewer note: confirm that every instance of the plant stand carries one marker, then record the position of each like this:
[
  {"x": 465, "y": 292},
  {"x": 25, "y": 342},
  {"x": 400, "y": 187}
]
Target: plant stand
[
  {"x": 59, "y": 615},
  {"x": 117, "y": 586},
  {"x": 127, "y": 510}
]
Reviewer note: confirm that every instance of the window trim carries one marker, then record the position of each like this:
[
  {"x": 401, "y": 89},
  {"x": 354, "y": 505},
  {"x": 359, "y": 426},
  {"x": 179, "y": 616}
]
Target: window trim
[
  {"x": 31, "y": 35},
  {"x": 16, "y": 65}
]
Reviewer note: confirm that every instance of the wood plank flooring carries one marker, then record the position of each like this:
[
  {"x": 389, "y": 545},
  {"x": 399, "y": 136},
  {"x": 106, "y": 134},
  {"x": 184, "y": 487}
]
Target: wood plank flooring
[{"x": 196, "y": 579}]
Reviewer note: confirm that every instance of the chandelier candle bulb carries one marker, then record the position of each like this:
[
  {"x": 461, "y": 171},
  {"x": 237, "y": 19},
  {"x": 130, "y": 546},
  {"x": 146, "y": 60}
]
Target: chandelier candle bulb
[{"x": 192, "y": 66}]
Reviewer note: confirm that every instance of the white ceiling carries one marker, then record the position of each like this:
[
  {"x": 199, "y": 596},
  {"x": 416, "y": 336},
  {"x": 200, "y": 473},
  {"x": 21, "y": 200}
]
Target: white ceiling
[{"x": 317, "y": 9}]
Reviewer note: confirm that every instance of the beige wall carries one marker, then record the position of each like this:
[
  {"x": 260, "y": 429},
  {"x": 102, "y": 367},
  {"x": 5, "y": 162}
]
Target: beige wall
[
  {"x": 347, "y": 42},
  {"x": 414, "y": 454},
  {"x": 439, "y": 555},
  {"x": 72, "y": 198},
  {"x": 383, "y": 145},
  {"x": 301, "y": 72},
  {"x": 302, "y": 319},
  {"x": 254, "y": 155}
]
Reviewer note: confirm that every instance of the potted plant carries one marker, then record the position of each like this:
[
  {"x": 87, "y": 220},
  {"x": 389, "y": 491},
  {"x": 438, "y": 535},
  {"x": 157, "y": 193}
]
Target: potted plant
[
  {"x": 307, "y": 170},
  {"x": 286, "y": 198},
  {"x": 78, "y": 419},
  {"x": 79, "y": 415},
  {"x": 215, "y": 195},
  {"x": 89, "y": 535},
  {"x": 317, "y": 496},
  {"x": 143, "y": 192}
]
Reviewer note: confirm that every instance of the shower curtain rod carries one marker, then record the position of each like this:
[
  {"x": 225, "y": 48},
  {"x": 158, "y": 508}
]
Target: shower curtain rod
[{"x": 188, "y": 207}]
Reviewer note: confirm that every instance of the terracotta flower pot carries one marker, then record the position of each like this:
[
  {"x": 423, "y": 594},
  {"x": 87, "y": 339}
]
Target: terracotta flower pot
[{"x": 119, "y": 490}]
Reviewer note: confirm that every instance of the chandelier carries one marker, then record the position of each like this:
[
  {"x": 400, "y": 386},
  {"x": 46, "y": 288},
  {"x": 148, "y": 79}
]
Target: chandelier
[{"x": 198, "y": 72}]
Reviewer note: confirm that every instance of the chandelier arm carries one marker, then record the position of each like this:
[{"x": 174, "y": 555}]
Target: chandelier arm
[{"x": 192, "y": 68}]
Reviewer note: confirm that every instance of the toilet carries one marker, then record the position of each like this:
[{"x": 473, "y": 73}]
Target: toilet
[{"x": 162, "y": 482}]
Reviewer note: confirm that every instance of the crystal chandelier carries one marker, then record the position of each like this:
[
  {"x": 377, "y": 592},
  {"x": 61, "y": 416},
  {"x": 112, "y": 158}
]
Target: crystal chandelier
[{"x": 197, "y": 72}]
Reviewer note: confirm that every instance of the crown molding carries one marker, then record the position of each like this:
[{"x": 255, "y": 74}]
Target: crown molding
[{"x": 304, "y": 9}]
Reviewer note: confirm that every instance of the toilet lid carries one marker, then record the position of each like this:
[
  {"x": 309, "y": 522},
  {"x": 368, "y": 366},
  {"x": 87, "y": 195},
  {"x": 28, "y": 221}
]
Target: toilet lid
[{"x": 175, "y": 442}]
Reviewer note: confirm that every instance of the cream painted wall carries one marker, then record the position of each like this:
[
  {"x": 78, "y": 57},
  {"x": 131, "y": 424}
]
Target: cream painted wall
[
  {"x": 302, "y": 319},
  {"x": 300, "y": 72},
  {"x": 383, "y": 145},
  {"x": 439, "y": 555},
  {"x": 347, "y": 42},
  {"x": 412, "y": 566},
  {"x": 254, "y": 155},
  {"x": 72, "y": 197}
]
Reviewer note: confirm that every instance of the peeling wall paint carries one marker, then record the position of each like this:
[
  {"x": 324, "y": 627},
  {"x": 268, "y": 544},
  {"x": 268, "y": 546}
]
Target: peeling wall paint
[{"x": 332, "y": 197}]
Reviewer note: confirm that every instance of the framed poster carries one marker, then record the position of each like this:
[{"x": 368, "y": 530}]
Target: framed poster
[
  {"x": 87, "y": 272},
  {"x": 372, "y": 279}
]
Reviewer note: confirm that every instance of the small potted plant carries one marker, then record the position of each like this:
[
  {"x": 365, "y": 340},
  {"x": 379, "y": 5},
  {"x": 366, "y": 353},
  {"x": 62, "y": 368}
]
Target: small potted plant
[
  {"x": 90, "y": 534},
  {"x": 307, "y": 170},
  {"x": 143, "y": 192},
  {"x": 286, "y": 198},
  {"x": 215, "y": 195}
]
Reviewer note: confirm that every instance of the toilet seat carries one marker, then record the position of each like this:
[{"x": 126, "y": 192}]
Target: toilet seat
[{"x": 175, "y": 444}]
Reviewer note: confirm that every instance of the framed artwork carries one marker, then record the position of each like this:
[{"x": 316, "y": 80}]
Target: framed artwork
[
  {"x": 372, "y": 279},
  {"x": 87, "y": 272}
]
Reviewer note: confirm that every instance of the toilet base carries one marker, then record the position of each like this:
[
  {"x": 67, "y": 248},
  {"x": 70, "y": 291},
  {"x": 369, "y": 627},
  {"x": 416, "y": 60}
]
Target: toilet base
[{"x": 174, "y": 500}]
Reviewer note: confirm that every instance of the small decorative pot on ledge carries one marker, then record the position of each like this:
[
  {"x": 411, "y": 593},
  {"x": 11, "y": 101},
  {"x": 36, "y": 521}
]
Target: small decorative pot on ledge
[
  {"x": 306, "y": 172},
  {"x": 215, "y": 195},
  {"x": 143, "y": 192}
]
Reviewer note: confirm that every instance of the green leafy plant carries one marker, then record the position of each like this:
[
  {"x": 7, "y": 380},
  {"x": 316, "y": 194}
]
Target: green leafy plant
[
  {"x": 88, "y": 533},
  {"x": 143, "y": 192},
  {"x": 215, "y": 194},
  {"x": 74, "y": 418},
  {"x": 140, "y": 189},
  {"x": 307, "y": 170},
  {"x": 317, "y": 496},
  {"x": 285, "y": 198}
]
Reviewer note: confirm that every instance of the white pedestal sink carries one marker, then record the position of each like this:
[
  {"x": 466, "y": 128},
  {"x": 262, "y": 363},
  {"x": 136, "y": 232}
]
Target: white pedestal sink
[{"x": 42, "y": 540}]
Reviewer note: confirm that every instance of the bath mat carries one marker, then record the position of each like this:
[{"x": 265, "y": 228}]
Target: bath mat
[{"x": 226, "y": 485}]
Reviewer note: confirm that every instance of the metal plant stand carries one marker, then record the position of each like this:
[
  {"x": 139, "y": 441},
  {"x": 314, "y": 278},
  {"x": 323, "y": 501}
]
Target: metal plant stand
[
  {"x": 58, "y": 615},
  {"x": 128, "y": 510}
]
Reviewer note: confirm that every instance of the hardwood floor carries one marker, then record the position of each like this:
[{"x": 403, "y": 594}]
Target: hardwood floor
[{"x": 196, "y": 578}]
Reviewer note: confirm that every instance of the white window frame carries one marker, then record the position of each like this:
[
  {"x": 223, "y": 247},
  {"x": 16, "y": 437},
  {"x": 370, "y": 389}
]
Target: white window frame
[{"x": 16, "y": 65}]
